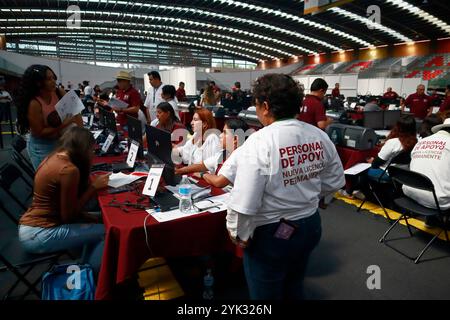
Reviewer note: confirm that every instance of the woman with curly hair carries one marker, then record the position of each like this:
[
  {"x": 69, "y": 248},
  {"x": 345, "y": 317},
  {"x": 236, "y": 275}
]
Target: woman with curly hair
[{"x": 36, "y": 113}]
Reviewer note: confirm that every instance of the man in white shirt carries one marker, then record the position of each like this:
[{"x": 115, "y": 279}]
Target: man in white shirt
[
  {"x": 431, "y": 157},
  {"x": 154, "y": 95},
  {"x": 282, "y": 172},
  {"x": 87, "y": 91}
]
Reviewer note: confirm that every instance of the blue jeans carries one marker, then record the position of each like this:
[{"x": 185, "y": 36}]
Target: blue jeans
[
  {"x": 275, "y": 268},
  {"x": 65, "y": 237},
  {"x": 375, "y": 174},
  {"x": 39, "y": 148}
]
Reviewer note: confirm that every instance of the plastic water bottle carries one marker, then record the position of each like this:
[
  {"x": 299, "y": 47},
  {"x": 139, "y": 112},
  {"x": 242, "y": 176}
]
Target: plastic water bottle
[
  {"x": 208, "y": 282},
  {"x": 184, "y": 191},
  {"x": 334, "y": 137}
]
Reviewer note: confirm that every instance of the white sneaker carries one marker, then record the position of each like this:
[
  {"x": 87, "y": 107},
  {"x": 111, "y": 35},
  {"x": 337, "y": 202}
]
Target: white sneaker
[
  {"x": 345, "y": 194},
  {"x": 359, "y": 195}
]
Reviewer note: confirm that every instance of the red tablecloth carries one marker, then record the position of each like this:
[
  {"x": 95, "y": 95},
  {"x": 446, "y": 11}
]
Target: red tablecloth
[
  {"x": 186, "y": 118},
  {"x": 350, "y": 157},
  {"x": 125, "y": 245}
]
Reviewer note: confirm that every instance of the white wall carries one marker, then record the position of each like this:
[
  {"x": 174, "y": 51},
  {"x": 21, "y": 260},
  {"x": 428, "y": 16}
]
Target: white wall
[
  {"x": 348, "y": 82},
  {"x": 378, "y": 86},
  {"x": 226, "y": 80},
  {"x": 351, "y": 86},
  {"x": 174, "y": 76},
  {"x": 65, "y": 71}
]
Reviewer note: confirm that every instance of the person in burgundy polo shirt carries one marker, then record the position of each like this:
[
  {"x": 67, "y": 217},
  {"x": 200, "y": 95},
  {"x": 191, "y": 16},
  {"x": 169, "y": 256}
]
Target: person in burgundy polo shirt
[
  {"x": 445, "y": 105},
  {"x": 335, "y": 92},
  {"x": 181, "y": 93},
  {"x": 389, "y": 94},
  {"x": 127, "y": 94},
  {"x": 312, "y": 110},
  {"x": 418, "y": 102}
]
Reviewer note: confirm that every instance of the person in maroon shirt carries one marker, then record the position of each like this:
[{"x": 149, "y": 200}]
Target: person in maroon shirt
[
  {"x": 445, "y": 105},
  {"x": 312, "y": 110},
  {"x": 335, "y": 92},
  {"x": 181, "y": 93},
  {"x": 418, "y": 102},
  {"x": 389, "y": 94},
  {"x": 127, "y": 94}
]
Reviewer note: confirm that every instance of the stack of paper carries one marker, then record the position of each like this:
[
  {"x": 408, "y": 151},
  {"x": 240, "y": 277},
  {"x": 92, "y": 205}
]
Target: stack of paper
[{"x": 120, "y": 179}]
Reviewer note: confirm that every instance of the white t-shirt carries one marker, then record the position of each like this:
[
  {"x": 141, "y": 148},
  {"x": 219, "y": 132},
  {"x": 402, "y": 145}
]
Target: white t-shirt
[
  {"x": 392, "y": 148},
  {"x": 153, "y": 99},
  {"x": 174, "y": 105},
  {"x": 282, "y": 171},
  {"x": 212, "y": 163},
  {"x": 4, "y": 94},
  {"x": 192, "y": 153},
  {"x": 431, "y": 157},
  {"x": 228, "y": 169},
  {"x": 88, "y": 91},
  {"x": 141, "y": 117}
]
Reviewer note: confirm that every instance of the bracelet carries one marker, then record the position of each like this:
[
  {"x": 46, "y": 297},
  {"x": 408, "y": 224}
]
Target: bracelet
[{"x": 202, "y": 174}]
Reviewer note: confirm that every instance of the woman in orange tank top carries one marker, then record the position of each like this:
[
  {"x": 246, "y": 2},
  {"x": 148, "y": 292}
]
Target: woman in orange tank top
[{"x": 36, "y": 112}]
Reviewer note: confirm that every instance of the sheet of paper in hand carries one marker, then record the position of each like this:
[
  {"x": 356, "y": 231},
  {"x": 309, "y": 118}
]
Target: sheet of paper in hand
[
  {"x": 69, "y": 105},
  {"x": 116, "y": 103}
]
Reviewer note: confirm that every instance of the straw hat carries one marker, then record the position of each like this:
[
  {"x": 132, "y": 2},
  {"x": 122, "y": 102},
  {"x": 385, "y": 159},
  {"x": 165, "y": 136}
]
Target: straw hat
[
  {"x": 124, "y": 75},
  {"x": 446, "y": 124}
]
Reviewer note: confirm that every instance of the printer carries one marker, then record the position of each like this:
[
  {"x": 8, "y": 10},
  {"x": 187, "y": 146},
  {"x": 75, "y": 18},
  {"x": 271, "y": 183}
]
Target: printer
[
  {"x": 249, "y": 116},
  {"x": 355, "y": 137}
]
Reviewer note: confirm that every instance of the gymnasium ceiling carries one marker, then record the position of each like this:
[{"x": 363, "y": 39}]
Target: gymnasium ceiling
[{"x": 249, "y": 30}]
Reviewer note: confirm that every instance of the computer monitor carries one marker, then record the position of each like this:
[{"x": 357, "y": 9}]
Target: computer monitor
[
  {"x": 135, "y": 133},
  {"x": 373, "y": 119},
  {"x": 159, "y": 145},
  {"x": 390, "y": 118}
]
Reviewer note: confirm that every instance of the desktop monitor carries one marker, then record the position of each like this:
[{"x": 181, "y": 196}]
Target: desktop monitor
[
  {"x": 135, "y": 133},
  {"x": 390, "y": 118},
  {"x": 373, "y": 119},
  {"x": 159, "y": 145}
]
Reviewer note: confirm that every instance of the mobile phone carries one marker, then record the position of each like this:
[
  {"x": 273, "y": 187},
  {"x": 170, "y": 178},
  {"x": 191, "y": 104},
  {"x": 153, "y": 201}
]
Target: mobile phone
[{"x": 285, "y": 230}]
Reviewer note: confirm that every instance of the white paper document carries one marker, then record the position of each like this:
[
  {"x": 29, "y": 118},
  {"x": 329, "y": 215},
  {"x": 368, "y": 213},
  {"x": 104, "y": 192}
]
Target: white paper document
[
  {"x": 212, "y": 205},
  {"x": 382, "y": 133},
  {"x": 357, "y": 168},
  {"x": 96, "y": 133},
  {"x": 116, "y": 103},
  {"x": 69, "y": 105},
  {"x": 120, "y": 179}
]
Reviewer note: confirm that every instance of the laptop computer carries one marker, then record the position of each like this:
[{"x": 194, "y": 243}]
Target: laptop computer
[
  {"x": 159, "y": 145},
  {"x": 135, "y": 133}
]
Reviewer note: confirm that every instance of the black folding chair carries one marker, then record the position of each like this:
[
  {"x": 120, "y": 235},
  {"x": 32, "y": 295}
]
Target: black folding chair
[
  {"x": 411, "y": 208},
  {"x": 27, "y": 262},
  {"x": 19, "y": 144},
  {"x": 9, "y": 174},
  {"x": 384, "y": 180},
  {"x": 19, "y": 262}
]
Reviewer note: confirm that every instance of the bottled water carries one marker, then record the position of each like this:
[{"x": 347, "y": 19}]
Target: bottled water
[
  {"x": 208, "y": 282},
  {"x": 334, "y": 137},
  {"x": 184, "y": 191}
]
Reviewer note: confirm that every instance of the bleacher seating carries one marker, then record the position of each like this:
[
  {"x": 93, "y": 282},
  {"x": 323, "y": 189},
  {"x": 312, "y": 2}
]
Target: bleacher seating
[
  {"x": 359, "y": 66},
  {"x": 439, "y": 61}
]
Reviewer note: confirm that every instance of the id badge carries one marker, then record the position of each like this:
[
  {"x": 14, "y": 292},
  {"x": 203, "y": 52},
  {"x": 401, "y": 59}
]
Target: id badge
[{"x": 285, "y": 230}]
